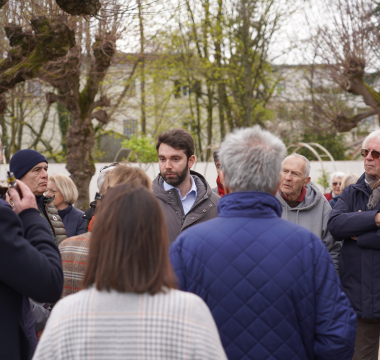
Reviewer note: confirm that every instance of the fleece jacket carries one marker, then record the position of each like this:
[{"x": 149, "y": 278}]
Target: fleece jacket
[{"x": 313, "y": 213}]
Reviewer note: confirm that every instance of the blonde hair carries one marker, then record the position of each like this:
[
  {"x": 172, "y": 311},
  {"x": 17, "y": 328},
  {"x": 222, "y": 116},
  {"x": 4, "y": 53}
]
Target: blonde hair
[
  {"x": 349, "y": 179},
  {"x": 126, "y": 174},
  {"x": 66, "y": 187}
]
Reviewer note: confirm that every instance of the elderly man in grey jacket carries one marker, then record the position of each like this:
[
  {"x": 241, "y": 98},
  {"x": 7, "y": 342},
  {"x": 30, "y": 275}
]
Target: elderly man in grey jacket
[{"x": 303, "y": 203}]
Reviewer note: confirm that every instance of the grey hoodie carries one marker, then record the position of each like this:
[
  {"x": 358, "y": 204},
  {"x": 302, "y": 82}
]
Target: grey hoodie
[{"x": 313, "y": 213}]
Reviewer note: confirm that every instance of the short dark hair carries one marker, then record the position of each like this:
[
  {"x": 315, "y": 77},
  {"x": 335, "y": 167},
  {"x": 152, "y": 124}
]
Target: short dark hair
[
  {"x": 215, "y": 154},
  {"x": 129, "y": 250},
  {"x": 179, "y": 139}
]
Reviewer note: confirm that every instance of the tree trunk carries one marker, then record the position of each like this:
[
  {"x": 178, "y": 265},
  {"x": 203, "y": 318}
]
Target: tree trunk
[
  {"x": 209, "y": 118},
  {"x": 79, "y": 162},
  {"x": 247, "y": 119},
  {"x": 142, "y": 77},
  {"x": 220, "y": 77},
  {"x": 199, "y": 124},
  {"x": 82, "y": 106}
]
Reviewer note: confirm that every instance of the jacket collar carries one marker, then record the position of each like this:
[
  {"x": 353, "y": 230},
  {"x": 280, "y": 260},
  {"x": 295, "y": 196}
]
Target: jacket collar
[
  {"x": 249, "y": 204},
  {"x": 203, "y": 188},
  {"x": 362, "y": 186},
  {"x": 48, "y": 200}
]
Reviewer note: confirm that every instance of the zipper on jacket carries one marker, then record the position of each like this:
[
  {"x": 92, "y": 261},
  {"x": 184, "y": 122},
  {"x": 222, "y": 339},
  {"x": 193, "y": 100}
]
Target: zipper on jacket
[
  {"x": 179, "y": 204},
  {"x": 51, "y": 225}
]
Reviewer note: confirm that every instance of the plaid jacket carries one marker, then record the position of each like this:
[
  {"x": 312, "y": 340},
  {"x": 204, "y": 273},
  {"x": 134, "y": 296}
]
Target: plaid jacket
[
  {"x": 74, "y": 253},
  {"x": 101, "y": 325}
]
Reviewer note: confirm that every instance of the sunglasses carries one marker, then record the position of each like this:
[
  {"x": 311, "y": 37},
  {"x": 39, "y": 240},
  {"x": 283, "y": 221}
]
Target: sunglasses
[
  {"x": 108, "y": 166},
  {"x": 336, "y": 183},
  {"x": 365, "y": 152}
]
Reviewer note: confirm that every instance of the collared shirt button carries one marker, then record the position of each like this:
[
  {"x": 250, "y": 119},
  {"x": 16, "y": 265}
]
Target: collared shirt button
[
  {"x": 170, "y": 192},
  {"x": 204, "y": 210},
  {"x": 210, "y": 205},
  {"x": 192, "y": 218}
]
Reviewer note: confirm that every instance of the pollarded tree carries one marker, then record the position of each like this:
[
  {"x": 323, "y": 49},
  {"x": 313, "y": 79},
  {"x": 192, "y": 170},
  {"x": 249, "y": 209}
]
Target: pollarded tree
[
  {"x": 77, "y": 77},
  {"x": 73, "y": 7},
  {"x": 348, "y": 45},
  {"x": 83, "y": 105}
]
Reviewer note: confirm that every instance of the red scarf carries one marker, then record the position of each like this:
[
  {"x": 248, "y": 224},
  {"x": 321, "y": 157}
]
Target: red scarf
[{"x": 220, "y": 187}]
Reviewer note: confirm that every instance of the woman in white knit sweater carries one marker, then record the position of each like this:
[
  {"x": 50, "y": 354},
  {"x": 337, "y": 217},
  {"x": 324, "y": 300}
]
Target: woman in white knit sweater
[{"x": 129, "y": 308}]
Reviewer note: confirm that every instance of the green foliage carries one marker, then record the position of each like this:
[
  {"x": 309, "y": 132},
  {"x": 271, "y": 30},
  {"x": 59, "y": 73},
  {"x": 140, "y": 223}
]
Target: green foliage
[
  {"x": 332, "y": 142},
  {"x": 143, "y": 149},
  {"x": 323, "y": 180}
]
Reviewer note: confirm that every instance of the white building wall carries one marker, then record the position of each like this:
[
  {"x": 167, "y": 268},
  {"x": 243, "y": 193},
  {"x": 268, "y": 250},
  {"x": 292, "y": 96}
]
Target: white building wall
[{"x": 208, "y": 170}]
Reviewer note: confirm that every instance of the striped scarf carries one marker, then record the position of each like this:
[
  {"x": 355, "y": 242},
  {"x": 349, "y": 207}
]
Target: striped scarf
[{"x": 374, "y": 184}]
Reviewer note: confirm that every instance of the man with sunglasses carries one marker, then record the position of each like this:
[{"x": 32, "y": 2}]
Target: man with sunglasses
[{"x": 356, "y": 219}]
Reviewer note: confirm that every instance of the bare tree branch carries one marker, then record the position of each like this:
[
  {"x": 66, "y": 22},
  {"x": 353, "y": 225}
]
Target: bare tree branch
[
  {"x": 102, "y": 102},
  {"x": 80, "y": 7},
  {"x": 42, "y": 127},
  {"x": 52, "y": 40},
  {"x": 101, "y": 115}
]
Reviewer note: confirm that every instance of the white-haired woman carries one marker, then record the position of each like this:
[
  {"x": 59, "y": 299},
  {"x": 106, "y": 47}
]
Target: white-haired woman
[
  {"x": 66, "y": 193},
  {"x": 347, "y": 180},
  {"x": 335, "y": 183}
]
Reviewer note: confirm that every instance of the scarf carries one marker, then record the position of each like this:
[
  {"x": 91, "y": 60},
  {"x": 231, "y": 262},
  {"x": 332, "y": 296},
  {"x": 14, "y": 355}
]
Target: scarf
[
  {"x": 220, "y": 187},
  {"x": 374, "y": 185}
]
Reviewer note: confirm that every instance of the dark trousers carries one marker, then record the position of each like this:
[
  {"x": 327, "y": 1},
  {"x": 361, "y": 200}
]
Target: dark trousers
[{"x": 367, "y": 339}]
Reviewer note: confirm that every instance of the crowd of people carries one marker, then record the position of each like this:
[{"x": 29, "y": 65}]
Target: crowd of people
[{"x": 260, "y": 266}]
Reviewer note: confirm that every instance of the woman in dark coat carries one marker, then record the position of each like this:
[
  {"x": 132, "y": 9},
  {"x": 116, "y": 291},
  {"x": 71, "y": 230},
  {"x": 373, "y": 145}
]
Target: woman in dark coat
[{"x": 66, "y": 193}]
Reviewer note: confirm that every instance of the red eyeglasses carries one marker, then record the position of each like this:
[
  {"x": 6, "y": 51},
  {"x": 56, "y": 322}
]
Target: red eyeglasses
[
  {"x": 336, "y": 183},
  {"x": 375, "y": 154}
]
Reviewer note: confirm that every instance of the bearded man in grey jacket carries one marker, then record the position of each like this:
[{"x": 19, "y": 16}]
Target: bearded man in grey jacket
[
  {"x": 184, "y": 195},
  {"x": 304, "y": 204}
]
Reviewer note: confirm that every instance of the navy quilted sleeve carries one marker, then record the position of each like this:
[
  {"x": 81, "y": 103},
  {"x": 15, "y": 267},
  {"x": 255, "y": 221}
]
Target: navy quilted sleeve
[
  {"x": 335, "y": 322},
  {"x": 177, "y": 262}
]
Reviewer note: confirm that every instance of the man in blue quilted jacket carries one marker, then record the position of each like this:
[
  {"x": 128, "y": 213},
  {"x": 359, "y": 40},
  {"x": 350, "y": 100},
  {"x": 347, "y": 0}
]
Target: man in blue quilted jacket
[{"x": 269, "y": 283}]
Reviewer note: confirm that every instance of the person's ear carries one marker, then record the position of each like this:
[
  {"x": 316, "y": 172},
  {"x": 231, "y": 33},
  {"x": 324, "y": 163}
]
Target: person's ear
[
  {"x": 191, "y": 161},
  {"x": 307, "y": 180},
  {"x": 222, "y": 179}
]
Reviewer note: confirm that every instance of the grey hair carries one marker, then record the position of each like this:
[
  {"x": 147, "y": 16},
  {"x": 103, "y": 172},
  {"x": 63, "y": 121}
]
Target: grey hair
[
  {"x": 307, "y": 163},
  {"x": 371, "y": 136},
  {"x": 335, "y": 175},
  {"x": 251, "y": 159}
]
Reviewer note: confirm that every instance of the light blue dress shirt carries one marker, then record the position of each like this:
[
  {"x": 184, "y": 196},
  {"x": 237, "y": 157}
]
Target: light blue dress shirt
[{"x": 189, "y": 199}]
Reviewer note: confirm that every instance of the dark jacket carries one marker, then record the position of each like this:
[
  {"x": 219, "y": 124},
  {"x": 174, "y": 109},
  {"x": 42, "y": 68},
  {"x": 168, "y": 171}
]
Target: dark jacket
[
  {"x": 204, "y": 208},
  {"x": 88, "y": 215},
  {"x": 29, "y": 326},
  {"x": 3, "y": 202},
  {"x": 270, "y": 284},
  {"x": 334, "y": 200},
  {"x": 30, "y": 265},
  {"x": 73, "y": 221},
  {"x": 359, "y": 265},
  {"x": 49, "y": 212}
]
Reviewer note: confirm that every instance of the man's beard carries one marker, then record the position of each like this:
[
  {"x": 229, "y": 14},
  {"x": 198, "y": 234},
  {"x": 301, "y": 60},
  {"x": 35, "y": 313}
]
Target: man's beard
[{"x": 178, "y": 179}]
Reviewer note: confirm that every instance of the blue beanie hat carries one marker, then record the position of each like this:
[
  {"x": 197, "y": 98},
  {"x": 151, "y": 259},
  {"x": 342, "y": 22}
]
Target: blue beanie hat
[{"x": 25, "y": 160}]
